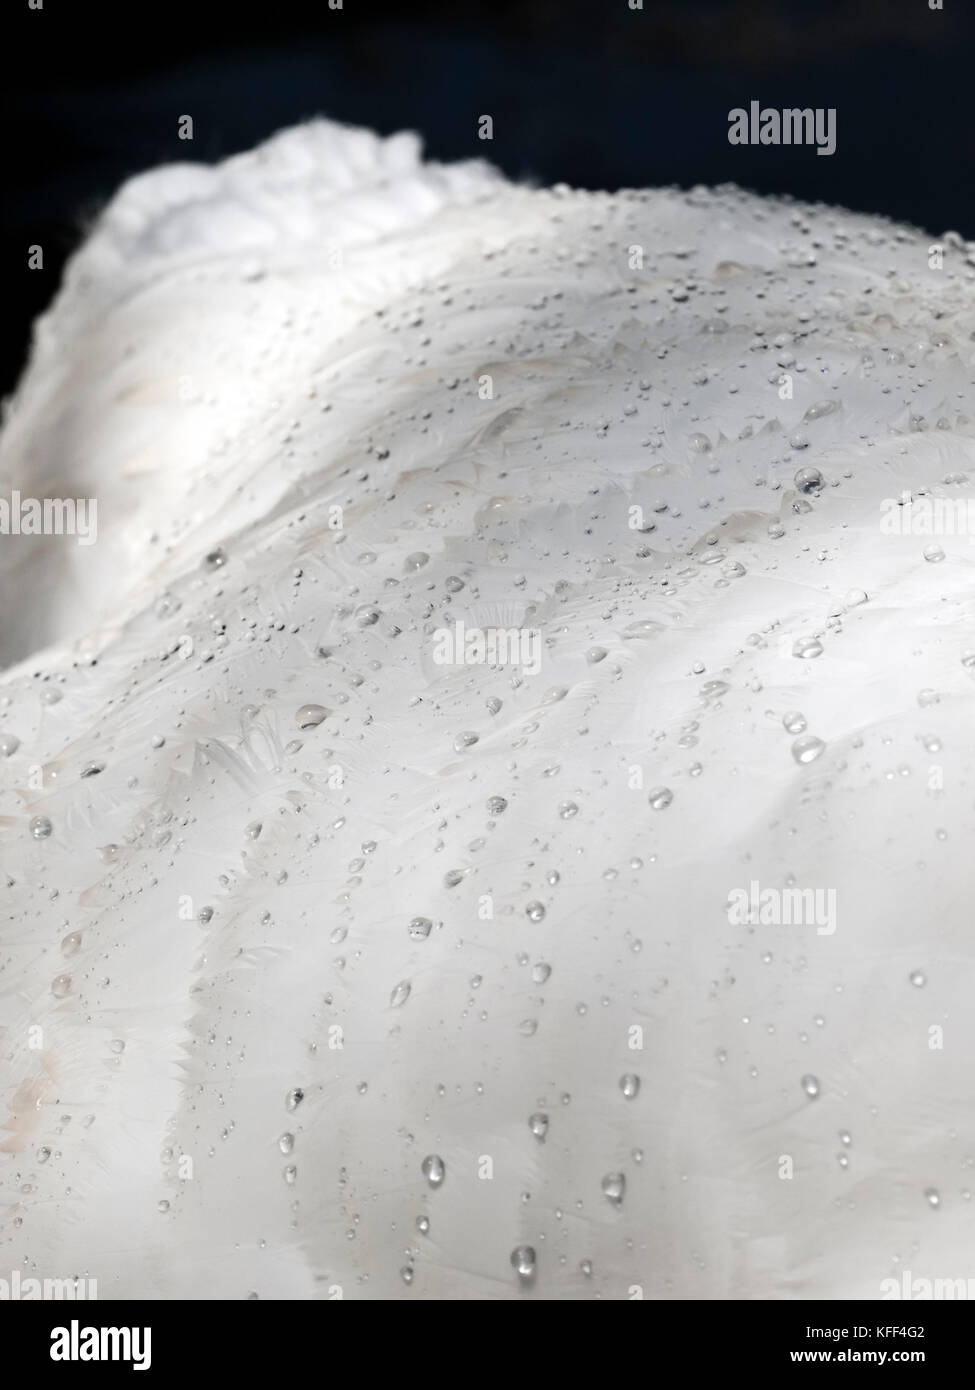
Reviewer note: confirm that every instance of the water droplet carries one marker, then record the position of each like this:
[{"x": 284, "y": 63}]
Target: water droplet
[
  {"x": 416, "y": 561},
  {"x": 568, "y": 809},
  {"x": 433, "y": 1169},
  {"x": 918, "y": 979},
  {"x": 528, "y": 1027},
  {"x": 614, "y": 1188},
  {"x": 810, "y": 1084},
  {"x": 422, "y": 1224},
  {"x": 400, "y": 994},
  {"x": 538, "y": 1124},
  {"x": 806, "y": 648},
  {"x": 807, "y": 749},
  {"x": 523, "y": 1261},
  {"x": 794, "y": 722},
  {"x": 310, "y": 716},
  {"x": 541, "y": 972},
  {"x": 496, "y": 805},
  {"x": 630, "y": 1085},
  {"x": 92, "y": 769},
  {"x": 9, "y": 743},
  {"x": 294, "y": 1098},
  {"x": 596, "y": 654},
  {"x": 467, "y": 739},
  {"x": 933, "y": 554},
  {"x": 43, "y": 1154},
  {"x": 290, "y": 1174},
  {"x": 61, "y": 986},
  {"x": 71, "y": 943},
  {"x": 660, "y": 798},
  {"x": 535, "y": 911},
  {"x": 846, "y": 1137},
  {"x": 286, "y": 1142},
  {"x": 406, "y": 1274},
  {"x": 40, "y": 827},
  {"x": 932, "y": 1196},
  {"x": 809, "y": 481},
  {"x": 216, "y": 559},
  {"x": 420, "y": 928}
]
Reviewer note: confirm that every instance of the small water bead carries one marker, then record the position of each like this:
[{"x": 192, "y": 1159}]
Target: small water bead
[
  {"x": 535, "y": 912},
  {"x": 433, "y": 1169},
  {"x": 71, "y": 943},
  {"x": 660, "y": 798},
  {"x": 422, "y": 1224},
  {"x": 216, "y": 559},
  {"x": 290, "y": 1174},
  {"x": 43, "y": 1154},
  {"x": 807, "y": 648},
  {"x": 406, "y": 1274},
  {"x": 92, "y": 769},
  {"x": 567, "y": 809},
  {"x": 596, "y": 654},
  {"x": 538, "y": 1124},
  {"x": 497, "y": 805},
  {"x": 846, "y": 1137},
  {"x": 294, "y": 1098},
  {"x": 453, "y": 584},
  {"x": 310, "y": 716},
  {"x": 630, "y": 1085},
  {"x": 807, "y": 749},
  {"x": 286, "y": 1142},
  {"x": 162, "y": 1206},
  {"x": 61, "y": 986},
  {"x": 523, "y": 1261},
  {"x": 528, "y": 1027},
  {"x": 400, "y": 994},
  {"x": 794, "y": 722},
  {"x": 467, "y": 739},
  {"x": 918, "y": 979},
  {"x": 932, "y": 1196},
  {"x": 541, "y": 972},
  {"x": 9, "y": 743},
  {"x": 420, "y": 928},
  {"x": 585, "y": 1268},
  {"x": 810, "y": 1084},
  {"x": 40, "y": 827},
  {"x": 933, "y": 554},
  {"x": 809, "y": 481},
  {"x": 253, "y": 831},
  {"x": 416, "y": 561},
  {"x": 614, "y": 1188}
]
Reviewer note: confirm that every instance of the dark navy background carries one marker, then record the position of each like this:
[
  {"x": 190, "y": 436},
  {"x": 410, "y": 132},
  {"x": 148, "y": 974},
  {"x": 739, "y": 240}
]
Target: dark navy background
[{"x": 585, "y": 92}]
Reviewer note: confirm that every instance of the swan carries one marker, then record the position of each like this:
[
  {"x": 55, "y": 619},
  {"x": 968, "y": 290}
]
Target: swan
[{"x": 485, "y": 818}]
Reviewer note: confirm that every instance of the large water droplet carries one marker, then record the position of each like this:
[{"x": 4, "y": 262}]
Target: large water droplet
[
  {"x": 614, "y": 1188},
  {"x": 809, "y": 481},
  {"x": 310, "y": 716},
  {"x": 433, "y": 1169},
  {"x": 807, "y": 648},
  {"x": 40, "y": 827},
  {"x": 523, "y": 1260},
  {"x": 538, "y": 1124},
  {"x": 808, "y": 748}
]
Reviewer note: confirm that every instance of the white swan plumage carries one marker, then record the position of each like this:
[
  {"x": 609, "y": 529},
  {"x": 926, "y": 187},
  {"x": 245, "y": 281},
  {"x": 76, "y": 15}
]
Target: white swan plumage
[{"x": 330, "y": 398}]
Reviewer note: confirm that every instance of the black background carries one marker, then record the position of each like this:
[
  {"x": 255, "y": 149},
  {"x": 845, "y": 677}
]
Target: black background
[{"x": 585, "y": 92}]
